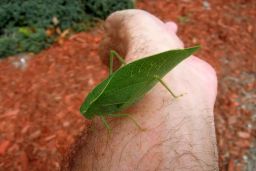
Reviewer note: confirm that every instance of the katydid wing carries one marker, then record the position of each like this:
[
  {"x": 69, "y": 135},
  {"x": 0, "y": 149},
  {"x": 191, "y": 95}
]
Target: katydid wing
[{"x": 131, "y": 82}]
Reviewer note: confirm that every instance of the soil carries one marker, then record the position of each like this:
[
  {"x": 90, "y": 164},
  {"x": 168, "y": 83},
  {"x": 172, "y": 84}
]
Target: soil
[{"x": 40, "y": 95}]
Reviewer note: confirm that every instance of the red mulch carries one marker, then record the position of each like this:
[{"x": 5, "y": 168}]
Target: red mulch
[
  {"x": 39, "y": 109},
  {"x": 40, "y": 105}
]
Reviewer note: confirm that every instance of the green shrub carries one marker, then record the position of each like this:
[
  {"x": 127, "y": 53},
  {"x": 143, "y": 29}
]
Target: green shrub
[
  {"x": 102, "y": 8},
  {"x": 24, "y": 40},
  {"x": 39, "y": 13},
  {"x": 23, "y": 23}
]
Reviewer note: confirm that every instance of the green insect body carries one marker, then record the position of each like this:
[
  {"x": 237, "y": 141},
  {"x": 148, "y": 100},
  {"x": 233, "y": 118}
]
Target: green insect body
[{"x": 130, "y": 83}]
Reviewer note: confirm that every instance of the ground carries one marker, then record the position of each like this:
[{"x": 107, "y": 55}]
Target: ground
[{"x": 40, "y": 96}]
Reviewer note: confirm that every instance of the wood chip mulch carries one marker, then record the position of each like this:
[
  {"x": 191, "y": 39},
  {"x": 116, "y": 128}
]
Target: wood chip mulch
[{"x": 40, "y": 104}]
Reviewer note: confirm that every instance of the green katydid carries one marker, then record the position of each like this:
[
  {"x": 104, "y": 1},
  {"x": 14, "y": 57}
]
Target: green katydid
[{"x": 130, "y": 83}]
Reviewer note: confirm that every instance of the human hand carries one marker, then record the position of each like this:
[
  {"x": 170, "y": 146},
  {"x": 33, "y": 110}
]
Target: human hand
[{"x": 180, "y": 133}]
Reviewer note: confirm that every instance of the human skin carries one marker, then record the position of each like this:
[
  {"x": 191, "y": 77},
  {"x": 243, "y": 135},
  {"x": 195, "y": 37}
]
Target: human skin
[{"x": 179, "y": 133}]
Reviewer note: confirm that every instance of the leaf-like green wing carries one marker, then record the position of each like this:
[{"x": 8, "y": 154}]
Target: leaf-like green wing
[
  {"x": 129, "y": 83},
  {"x": 93, "y": 96}
]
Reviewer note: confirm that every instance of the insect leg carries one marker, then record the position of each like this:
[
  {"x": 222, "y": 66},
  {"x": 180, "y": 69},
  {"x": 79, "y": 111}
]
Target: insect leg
[
  {"x": 165, "y": 85},
  {"x": 128, "y": 116},
  {"x": 103, "y": 119},
  {"x": 112, "y": 55}
]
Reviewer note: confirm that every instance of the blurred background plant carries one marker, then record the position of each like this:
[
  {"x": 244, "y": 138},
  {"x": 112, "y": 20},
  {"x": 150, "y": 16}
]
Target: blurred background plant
[
  {"x": 102, "y": 8},
  {"x": 33, "y": 25}
]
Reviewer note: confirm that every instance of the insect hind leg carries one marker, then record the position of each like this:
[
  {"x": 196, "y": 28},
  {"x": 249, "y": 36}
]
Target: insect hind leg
[{"x": 166, "y": 86}]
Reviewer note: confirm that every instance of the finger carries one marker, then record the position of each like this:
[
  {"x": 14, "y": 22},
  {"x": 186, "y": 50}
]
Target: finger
[{"x": 171, "y": 26}]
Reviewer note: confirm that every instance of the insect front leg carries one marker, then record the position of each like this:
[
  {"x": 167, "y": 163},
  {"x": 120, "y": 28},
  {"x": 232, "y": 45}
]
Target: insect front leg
[
  {"x": 128, "y": 116},
  {"x": 165, "y": 85},
  {"x": 103, "y": 119},
  {"x": 112, "y": 55}
]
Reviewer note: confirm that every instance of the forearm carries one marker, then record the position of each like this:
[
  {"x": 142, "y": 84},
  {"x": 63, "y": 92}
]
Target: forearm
[
  {"x": 180, "y": 139},
  {"x": 179, "y": 134}
]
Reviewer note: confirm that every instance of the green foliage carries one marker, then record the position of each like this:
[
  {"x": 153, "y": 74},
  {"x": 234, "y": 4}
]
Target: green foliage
[
  {"x": 39, "y": 13},
  {"x": 102, "y": 8},
  {"x": 24, "y": 40},
  {"x": 23, "y": 22}
]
